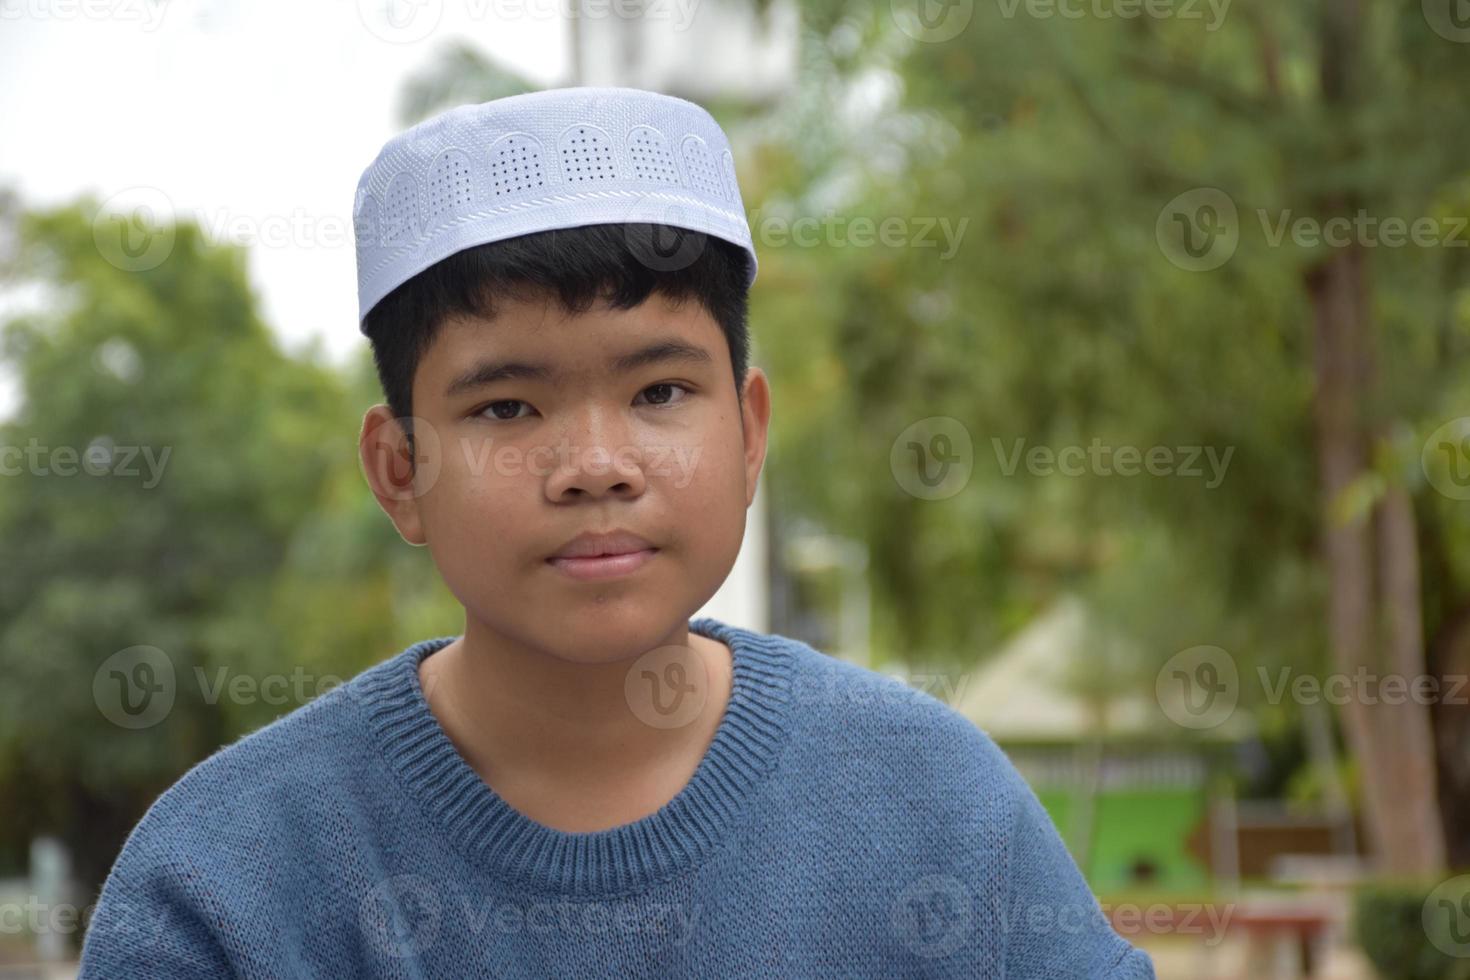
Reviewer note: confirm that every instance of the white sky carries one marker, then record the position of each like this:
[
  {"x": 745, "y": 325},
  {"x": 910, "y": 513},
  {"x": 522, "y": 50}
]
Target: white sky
[{"x": 254, "y": 114}]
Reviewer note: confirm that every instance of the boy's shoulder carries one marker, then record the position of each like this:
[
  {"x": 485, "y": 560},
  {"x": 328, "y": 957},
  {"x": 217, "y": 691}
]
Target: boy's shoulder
[
  {"x": 272, "y": 777},
  {"x": 873, "y": 703},
  {"x": 878, "y": 721},
  {"x": 908, "y": 761},
  {"x": 240, "y": 828}
]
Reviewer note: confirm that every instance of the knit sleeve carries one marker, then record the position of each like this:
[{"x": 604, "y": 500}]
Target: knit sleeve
[
  {"x": 1054, "y": 924},
  {"x": 148, "y": 924}
]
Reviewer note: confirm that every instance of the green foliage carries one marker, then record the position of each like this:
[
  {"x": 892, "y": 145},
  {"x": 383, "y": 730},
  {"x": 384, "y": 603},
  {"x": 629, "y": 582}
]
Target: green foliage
[
  {"x": 459, "y": 74},
  {"x": 248, "y": 549},
  {"x": 1389, "y": 921},
  {"x": 1060, "y": 319}
]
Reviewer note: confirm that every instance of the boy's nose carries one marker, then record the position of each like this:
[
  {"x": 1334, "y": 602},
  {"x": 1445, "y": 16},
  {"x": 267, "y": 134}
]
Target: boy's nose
[{"x": 595, "y": 459}]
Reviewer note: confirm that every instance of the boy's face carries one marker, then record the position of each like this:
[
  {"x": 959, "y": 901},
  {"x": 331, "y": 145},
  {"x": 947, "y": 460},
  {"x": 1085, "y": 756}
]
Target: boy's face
[{"x": 512, "y": 466}]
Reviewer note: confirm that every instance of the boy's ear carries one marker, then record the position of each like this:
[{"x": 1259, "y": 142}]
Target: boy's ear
[
  {"x": 387, "y": 462},
  {"x": 755, "y": 419}
]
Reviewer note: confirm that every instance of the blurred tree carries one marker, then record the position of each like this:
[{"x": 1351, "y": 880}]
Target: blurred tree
[
  {"x": 183, "y": 485},
  {"x": 459, "y": 73},
  {"x": 1081, "y": 148}
]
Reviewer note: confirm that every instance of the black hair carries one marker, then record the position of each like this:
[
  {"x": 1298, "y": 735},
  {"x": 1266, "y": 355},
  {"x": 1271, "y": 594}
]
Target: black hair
[{"x": 577, "y": 266}]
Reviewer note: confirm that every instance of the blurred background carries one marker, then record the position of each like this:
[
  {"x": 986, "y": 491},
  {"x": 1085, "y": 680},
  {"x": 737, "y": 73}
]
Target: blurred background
[{"x": 1119, "y": 354}]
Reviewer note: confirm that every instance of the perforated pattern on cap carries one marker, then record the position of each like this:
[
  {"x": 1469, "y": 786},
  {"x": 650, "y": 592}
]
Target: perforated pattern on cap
[
  {"x": 401, "y": 211},
  {"x": 516, "y": 165},
  {"x": 701, "y": 168},
  {"x": 586, "y": 155},
  {"x": 450, "y": 186},
  {"x": 651, "y": 157}
]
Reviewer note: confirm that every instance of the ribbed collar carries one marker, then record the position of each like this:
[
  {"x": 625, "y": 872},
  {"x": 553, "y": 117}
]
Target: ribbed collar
[{"x": 497, "y": 837}]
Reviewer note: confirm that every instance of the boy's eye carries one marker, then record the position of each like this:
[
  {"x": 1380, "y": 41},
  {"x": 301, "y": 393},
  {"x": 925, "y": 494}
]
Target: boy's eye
[
  {"x": 665, "y": 391},
  {"x": 494, "y": 408},
  {"x": 508, "y": 409}
]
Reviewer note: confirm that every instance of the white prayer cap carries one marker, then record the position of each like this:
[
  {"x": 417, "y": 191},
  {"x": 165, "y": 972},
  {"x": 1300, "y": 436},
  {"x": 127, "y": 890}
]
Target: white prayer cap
[{"x": 559, "y": 158}]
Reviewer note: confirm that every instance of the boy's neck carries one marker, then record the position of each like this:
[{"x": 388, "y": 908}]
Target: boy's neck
[{"x": 559, "y": 741}]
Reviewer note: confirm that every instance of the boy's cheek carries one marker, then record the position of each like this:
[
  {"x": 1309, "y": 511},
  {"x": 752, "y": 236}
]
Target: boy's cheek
[
  {"x": 469, "y": 468},
  {"x": 666, "y": 463}
]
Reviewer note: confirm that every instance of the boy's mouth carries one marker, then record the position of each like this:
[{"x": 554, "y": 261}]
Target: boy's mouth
[
  {"x": 603, "y": 555},
  {"x": 594, "y": 544},
  {"x": 603, "y": 566}
]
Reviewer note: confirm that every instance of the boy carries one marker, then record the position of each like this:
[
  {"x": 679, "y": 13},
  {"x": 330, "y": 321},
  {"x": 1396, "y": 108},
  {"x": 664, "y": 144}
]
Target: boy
[{"x": 586, "y": 783}]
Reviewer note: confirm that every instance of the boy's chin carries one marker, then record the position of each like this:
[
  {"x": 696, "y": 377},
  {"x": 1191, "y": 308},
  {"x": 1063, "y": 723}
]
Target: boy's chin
[{"x": 606, "y": 636}]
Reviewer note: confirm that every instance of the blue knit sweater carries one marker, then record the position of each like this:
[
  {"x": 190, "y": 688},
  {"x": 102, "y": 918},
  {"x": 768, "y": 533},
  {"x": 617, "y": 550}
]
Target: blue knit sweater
[{"x": 840, "y": 825}]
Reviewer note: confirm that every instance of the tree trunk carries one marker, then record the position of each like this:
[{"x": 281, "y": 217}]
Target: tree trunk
[
  {"x": 1392, "y": 742},
  {"x": 1375, "y": 620},
  {"x": 1419, "y": 843},
  {"x": 1448, "y": 658}
]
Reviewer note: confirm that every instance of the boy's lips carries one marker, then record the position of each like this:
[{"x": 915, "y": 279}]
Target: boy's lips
[
  {"x": 603, "y": 555},
  {"x": 592, "y": 544},
  {"x": 604, "y": 566}
]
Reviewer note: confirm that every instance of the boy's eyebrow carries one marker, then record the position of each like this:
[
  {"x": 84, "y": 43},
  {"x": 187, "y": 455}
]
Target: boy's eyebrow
[{"x": 490, "y": 371}]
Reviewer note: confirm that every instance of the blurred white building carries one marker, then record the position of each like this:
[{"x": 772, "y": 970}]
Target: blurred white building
[
  {"x": 745, "y": 598},
  {"x": 696, "y": 49}
]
